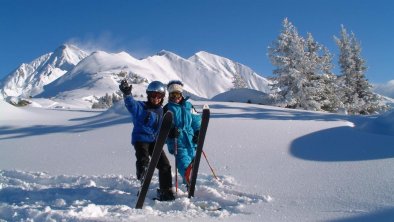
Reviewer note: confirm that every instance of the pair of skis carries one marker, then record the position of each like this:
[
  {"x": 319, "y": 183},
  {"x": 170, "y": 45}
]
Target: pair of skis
[{"x": 161, "y": 138}]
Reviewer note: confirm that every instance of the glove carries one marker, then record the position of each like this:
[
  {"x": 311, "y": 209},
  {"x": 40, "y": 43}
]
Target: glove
[
  {"x": 125, "y": 87},
  {"x": 174, "y": 133},
  {"x": 195, "y": 136}
]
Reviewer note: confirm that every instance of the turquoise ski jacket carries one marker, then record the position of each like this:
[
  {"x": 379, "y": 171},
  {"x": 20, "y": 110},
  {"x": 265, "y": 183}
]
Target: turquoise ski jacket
[{"x": 187, "y": 120}]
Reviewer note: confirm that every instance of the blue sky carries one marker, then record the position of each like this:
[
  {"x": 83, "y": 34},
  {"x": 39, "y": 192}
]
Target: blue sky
[{"x": 240, "y": 30}]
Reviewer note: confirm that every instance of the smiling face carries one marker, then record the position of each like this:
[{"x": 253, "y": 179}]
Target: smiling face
[
  {"x": 175, "y": 97},
  {"x": 155, "y": 97},
  {"x": 155, "y": 100}
]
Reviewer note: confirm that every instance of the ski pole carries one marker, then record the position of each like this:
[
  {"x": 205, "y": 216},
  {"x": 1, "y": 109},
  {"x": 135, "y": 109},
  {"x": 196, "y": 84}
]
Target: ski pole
[
  {"x": 213, "y": 172},
  {"x": 176, "y": 166}
]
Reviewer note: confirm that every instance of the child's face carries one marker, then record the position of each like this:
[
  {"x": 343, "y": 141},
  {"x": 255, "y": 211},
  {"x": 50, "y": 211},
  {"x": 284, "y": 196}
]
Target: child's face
[
  {"x": 155, "y": 98},
  {"x": 175, "y": 97}
]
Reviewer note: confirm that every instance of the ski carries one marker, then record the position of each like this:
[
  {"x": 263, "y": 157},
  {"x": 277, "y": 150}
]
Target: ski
[
  {"x": 161, "y": 138},
  {"x": 201, "y": 138}
]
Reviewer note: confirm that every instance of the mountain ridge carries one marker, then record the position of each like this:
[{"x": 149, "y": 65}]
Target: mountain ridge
[
  {"x": 70, "y": 73},
  {"x": 29, "y": 78}
]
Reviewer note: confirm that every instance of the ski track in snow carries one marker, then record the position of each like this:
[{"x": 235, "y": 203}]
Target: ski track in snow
[{"x": 39, "y": 196}]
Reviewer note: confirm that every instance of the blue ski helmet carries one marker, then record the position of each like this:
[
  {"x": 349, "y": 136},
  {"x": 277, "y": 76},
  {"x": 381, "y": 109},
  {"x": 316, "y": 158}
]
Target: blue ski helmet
[{"x": 156, "y": 86}]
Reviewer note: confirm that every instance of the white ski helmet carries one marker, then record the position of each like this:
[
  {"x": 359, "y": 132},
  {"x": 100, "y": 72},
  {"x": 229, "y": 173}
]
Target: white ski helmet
[{"x": 175, "y": 86}]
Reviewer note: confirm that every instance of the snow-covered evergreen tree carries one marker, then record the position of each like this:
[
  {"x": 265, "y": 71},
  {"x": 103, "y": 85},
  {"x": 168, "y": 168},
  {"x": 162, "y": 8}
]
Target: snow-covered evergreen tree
[
  {"x": 356, "y": 92},
  {"x": 107, "y": 100},
  {"x": 321, "y": 88},
  {"x": 239, "y": 82},
  {"x": 312, "y": 86},
  {"x": 287, "y": 54},
  {"x": 303, "y": 76}
]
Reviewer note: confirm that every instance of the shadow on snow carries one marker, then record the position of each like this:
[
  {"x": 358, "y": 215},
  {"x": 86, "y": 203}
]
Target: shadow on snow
[
  {"x": 274, "y": 113},
  {"x": 95, "y": 195},
  {"x": 343, "y": 144},
  {"x": 90, "y": 123},
  {"x": 383, "y": 215}
]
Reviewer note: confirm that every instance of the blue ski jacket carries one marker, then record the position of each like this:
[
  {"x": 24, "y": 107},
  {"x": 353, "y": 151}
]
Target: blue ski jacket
[
  {"x": 187, "y": 120},
  {"x": 146, "y": 120}
]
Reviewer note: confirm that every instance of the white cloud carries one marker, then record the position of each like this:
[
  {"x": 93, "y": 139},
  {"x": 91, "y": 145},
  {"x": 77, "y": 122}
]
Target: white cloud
[
  {"x": 107, "y": 41},
  {"x": 386, "y": 89}
]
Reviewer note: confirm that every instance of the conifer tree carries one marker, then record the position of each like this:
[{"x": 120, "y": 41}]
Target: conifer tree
[
  {"x": 287, "y": 54},
  {"x": 303, "y": 75},
  {"x": 239, "y": 82},
  {"x": 356, "y": 93},
  {"x": 321, "y": 88}
]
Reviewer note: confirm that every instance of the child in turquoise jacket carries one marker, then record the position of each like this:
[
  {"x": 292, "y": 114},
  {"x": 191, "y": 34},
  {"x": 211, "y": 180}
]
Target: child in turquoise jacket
[{"x": 184, "y": 134}]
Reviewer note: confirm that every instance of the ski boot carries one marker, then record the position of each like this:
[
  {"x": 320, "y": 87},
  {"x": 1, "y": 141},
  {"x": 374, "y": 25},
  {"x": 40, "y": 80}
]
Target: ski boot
[{"x": 165, "y": 195}]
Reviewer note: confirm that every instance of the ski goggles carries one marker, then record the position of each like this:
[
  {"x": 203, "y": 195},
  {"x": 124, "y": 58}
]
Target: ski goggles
[
  {"x": 175, "y": 95},
  {"x": 156, "y": 95}
]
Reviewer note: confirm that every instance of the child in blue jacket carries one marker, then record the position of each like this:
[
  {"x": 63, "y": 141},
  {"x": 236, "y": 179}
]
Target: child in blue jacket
[
  {"x": 186, "y": 125},
  {"x": 147, "y": 117}
]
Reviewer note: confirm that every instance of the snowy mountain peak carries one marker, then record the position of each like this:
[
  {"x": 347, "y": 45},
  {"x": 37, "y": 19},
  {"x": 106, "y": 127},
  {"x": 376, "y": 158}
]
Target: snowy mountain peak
[
  {"x": 67, "y": 56},
  {"x": 165, "y": 53},
  {"x": 169, "y": 55},
  {"x": 204, "y": 54},
  {"x": 240, "y": 75},
  {"x": 212, "y": 61},
  {"x": 30, "y": 78}
]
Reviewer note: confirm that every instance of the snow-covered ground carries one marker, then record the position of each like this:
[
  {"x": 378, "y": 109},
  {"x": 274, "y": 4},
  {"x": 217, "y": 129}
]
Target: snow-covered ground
[{"x": 273, "y": 164}]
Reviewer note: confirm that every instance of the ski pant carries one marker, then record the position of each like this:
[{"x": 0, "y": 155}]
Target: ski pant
[
  {"x": 142, "y": 152},
  {"x": 183, "y": 158}
]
